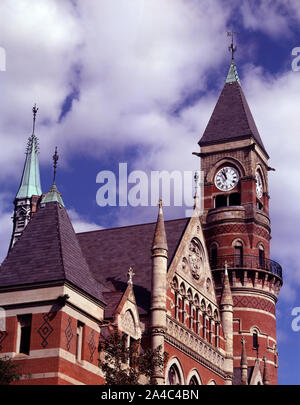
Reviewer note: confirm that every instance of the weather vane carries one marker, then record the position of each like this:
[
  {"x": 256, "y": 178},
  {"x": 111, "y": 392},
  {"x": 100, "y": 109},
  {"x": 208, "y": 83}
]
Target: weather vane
[
  {"x": 34, "y": 110},
  {"x": 232, "y": 48},
  {"x": 55, "y": 159}
]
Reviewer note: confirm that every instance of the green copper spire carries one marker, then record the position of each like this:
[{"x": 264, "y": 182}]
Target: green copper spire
[
  {"x": 30, "y": 182},
  {"x": 232, "y": 74},
  {"x": 53, "y": 194}
]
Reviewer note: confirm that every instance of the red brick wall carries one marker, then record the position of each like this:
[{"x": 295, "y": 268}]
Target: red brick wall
[
  {"x": 53, "y": 331},
  {"x": 188, "y": 364}
]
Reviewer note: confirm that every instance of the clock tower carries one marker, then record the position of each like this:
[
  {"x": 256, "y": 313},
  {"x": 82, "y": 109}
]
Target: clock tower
[{"x": 236, "y": 223}]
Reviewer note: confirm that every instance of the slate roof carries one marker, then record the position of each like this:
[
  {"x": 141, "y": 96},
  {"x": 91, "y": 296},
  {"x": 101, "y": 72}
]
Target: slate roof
[
  {"x": 231, "y": 118},
  {"x": 48, "y": 250},
  {"x": 110, "y": 253}
]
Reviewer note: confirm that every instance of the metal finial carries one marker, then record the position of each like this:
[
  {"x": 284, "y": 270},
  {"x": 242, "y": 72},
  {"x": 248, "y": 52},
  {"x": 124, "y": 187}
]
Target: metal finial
[
  {"x": 160, "y": 203},
  {"x": 130, "y": 275},
  {"x": 55, "y": 159},
  {"x": 34, "y": 111},
  {"x": 196, "y": 196},
  {"x": 232, "y": 48}
]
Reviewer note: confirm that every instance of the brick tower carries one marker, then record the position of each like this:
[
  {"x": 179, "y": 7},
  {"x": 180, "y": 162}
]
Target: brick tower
[{"x": 236, "y": 223}]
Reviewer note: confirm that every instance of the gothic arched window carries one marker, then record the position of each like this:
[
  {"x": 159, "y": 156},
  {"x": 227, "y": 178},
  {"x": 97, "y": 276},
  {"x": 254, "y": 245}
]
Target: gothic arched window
[
  {"x": 174, "y": 375},
  {"x": 193, "y": 381}
]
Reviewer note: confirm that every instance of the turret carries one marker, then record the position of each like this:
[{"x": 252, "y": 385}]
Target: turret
[
  {"x": 236, "y": 221},
  {"x": 29, "y": 191},
  {"x": 226, "y": 311},
  {"x": 158, "y": 297}
]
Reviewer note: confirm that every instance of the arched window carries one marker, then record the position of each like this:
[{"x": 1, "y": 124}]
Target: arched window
[
  {"x": 174, "y": 375},
  {"x": 193, "y": 378},
  {"x": 261, "y": 256},
  {"x": 255, "y": 339},
  {"x": 238, "y": 254},
  {"x": 220, "y": 201},
  {"x": 175, "y": 286},
  {"x": 183, "y": 312},
  {"x": 193, "y": 381}
]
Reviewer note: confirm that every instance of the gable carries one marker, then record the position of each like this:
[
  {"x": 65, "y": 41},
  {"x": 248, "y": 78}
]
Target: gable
[{"x": 191, "y": 261}]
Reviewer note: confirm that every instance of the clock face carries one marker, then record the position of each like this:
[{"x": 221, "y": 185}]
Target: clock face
[
  {"x": 259, "y": 185},
  {"x": 227, "y": 178}
]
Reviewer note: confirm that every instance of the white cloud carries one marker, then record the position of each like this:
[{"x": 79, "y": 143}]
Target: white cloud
[
  {"x": 80, "y": 224},
  {"x": 134, "y": 60}
]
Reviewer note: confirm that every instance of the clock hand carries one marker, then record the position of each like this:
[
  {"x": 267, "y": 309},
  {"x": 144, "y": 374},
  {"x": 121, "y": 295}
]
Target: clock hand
[{"x": 224, "y": 173}]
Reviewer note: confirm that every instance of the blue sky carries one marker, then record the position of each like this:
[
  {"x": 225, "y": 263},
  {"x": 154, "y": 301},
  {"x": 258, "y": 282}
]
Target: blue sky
[{"x": 136, "y": 81}]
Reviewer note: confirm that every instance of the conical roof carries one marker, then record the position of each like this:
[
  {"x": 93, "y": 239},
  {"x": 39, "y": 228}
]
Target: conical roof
[
  {"x": 231, "y": 118},
  {"x": 53, "y": 195},
  {"x": 226, "y": 297},
  {"x": 160, "y": 238},
  {"x": 49, "y": 251}
]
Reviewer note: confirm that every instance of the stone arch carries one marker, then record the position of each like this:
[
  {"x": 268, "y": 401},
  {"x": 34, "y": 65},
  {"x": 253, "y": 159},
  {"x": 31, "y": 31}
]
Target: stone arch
[
  {"x": 261, "y": 171},
  {"x": 129, "y": 323},
  {"x": 194, "y": 378},
  {"x": 174, "y": 372},
  {"x": 228, "y": 160},
  {"x": 182, "y": 288},
  {"x": 216, "y": 315},
  {"x": 175, "y": 283},
  {"x": 238, "y": 242},
  {"x": 196, "y": 300}
]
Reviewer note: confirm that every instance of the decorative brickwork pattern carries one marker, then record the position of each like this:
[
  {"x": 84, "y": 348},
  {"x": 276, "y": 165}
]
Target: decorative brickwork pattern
[
  {"x": 45, "y": 330},
  {"x": 92, "y": 345},
  {"x": 253, "y": 302},
  {"x": 69, "y": 334},
  {"x": 235, "y": 228},
  {"x": 3, "y": 335}
]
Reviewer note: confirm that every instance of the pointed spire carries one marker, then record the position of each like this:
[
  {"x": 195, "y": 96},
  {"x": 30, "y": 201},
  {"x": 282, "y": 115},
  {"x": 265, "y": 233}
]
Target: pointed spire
[
  {"x": 53, "y": 194},
  {"x": 226, "y": 298},
  {"x": 160, "y": 239},
  {"x": 30, "y": 182},
  {"x": 233, "y": 74}
]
